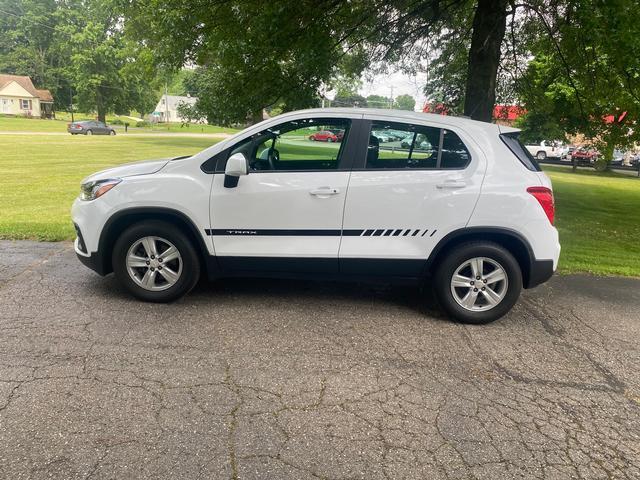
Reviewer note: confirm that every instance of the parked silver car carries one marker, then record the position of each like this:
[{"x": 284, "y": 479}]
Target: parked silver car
[{"x": 90, "y": 127}]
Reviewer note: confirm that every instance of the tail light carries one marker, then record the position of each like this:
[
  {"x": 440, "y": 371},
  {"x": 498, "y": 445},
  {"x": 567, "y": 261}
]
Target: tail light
[{"x": 544, "y": 196}]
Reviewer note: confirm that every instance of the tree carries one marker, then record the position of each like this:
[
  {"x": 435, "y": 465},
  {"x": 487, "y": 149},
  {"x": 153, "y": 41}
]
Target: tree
[
  {"x": 29, "y": 45},
  {"x": 277, "y": 59},
  {"x": 378, "y": 101},
  {"x": 77, "y": 49},
  {"x": 587, "y": 79},
  {"x": 405, "y": 102},
  {"x": 109, "y": 71}
]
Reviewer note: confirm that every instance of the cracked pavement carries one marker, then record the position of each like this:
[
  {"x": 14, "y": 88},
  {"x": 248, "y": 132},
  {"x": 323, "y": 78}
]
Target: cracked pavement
[{"x": 254, "y": 379}]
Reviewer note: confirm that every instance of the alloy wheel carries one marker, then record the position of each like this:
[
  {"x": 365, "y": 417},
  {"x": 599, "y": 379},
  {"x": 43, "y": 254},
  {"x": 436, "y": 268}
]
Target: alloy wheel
[
  {"x": 479, "y": 284},
  {"x": 154, "y": 263}
]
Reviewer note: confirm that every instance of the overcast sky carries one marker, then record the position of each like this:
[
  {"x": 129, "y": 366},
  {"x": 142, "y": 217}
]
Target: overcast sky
[{"x": 401, "y": 83}]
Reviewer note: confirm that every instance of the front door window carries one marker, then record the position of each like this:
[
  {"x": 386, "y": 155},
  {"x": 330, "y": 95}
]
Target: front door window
[{"x": 298, "y": 145}]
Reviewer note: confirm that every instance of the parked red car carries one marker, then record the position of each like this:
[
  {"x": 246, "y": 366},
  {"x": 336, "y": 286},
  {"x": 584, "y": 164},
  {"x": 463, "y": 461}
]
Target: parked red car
[
  {"x": 584, "y": 155},
  {"x": 324, "y": 136}
]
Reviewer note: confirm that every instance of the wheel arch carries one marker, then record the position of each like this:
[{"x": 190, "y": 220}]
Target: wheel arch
[
  {"x": 511, "y": 240},
  {"x": 123, "y": 219}
]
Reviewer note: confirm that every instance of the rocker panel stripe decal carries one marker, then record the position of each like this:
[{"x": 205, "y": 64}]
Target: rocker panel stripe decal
[{"x": 248, "y": 232}]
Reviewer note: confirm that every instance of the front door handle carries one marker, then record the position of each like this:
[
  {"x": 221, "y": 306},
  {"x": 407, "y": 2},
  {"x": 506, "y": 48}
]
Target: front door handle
[
  {"x": 452, "y": 184},
  {"x": 324, "y": 191}
]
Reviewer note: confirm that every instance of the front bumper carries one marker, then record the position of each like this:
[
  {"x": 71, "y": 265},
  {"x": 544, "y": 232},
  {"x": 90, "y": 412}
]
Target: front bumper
[
  {"x": 88, "y": 221},
  {"x": 94, "y": 260}
]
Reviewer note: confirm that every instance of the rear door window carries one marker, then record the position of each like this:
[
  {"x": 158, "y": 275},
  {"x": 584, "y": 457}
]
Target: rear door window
[{"x": 402, "y": 146}]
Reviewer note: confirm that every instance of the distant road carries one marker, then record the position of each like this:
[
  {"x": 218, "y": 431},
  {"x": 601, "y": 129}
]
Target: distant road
[{"x": 159, "y": 134}]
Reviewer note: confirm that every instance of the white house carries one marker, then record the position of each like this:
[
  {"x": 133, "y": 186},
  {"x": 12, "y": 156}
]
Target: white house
[
  {"x": 167, "y": 108},
  {"x": 18, "y": 96}
]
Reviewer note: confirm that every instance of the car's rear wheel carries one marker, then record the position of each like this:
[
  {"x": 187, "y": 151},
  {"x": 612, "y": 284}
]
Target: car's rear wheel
[
  {"x": 541, "y": 155},
  {"x": 478, "y": 282},
  {"x": 112, "y": 132},
  {"x": 330, "y": 140},
  {"x": 155, "y": 261},
  {"x": 88, "y": 132}
]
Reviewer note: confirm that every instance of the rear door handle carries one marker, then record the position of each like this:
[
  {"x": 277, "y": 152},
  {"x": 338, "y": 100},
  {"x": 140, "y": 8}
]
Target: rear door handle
[
  {"x": 452, "y": 184},
  {"x": 324, "y": 191}
]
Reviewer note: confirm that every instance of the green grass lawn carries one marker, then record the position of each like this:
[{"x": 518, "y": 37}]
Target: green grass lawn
[
  {"x": 598, "y": 215},
  {"x": 23, "y": 124},
  {"x": 40, "y": 175}
]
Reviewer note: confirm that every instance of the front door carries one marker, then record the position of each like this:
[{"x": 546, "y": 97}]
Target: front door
[
  {"x": 417, "y": 184},
  {"x": 286, "y": 214},
  {"x": 4, "y": 105}
]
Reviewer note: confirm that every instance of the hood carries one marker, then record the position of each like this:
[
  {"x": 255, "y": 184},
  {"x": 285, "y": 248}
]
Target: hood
[{"x": 129, "y": 169}]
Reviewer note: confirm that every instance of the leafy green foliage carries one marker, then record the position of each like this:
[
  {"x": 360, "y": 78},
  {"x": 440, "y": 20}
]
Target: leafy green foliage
[
  {"x": 586, "y": 68},
  {"x": 378, "y": 101},
  {"x": 77, "y": 50},
  {"x": 405, "y": 102},
  {"x": 255, "y": 55}
]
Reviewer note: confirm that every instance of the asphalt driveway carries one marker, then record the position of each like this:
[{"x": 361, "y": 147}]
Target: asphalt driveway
[{"x": 277, "y": 379}]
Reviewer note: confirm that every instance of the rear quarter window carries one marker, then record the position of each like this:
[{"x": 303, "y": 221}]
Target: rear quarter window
[{"x": 512, "y": 140}]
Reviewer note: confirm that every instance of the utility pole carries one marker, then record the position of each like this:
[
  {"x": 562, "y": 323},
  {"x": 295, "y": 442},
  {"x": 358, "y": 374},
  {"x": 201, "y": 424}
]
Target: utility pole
[
  {"x": 391, "y": 99},
  {"x": 166, "y": 103}
]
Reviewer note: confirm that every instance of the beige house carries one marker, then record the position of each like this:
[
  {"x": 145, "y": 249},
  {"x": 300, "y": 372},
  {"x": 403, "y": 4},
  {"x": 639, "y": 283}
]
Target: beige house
[{"x": 18, "y": 96}]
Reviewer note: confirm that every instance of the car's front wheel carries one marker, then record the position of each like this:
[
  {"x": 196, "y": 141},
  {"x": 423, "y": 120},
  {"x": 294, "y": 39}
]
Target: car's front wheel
[
  {"x": 478, "y": 282},
  {"x": 112, "y": 132},
  {"x": 88, "y": 132},
  {"x": 541, "y": 155},
  {"x": 155, "y": 261}
]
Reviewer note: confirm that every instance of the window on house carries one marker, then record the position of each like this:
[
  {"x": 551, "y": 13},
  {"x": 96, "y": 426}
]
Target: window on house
[{"x": 25, "y": 104}]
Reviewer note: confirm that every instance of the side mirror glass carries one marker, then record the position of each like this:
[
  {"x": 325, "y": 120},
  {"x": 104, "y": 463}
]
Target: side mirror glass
[{"x": 237, "y": 166}]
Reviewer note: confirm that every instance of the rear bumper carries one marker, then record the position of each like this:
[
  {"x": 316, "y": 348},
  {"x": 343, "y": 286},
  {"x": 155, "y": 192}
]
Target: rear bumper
[{"x": 539, "y": 272}]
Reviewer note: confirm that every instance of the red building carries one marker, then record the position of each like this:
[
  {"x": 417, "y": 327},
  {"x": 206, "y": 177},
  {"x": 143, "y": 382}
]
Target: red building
[{"x": 504, "y": 114}]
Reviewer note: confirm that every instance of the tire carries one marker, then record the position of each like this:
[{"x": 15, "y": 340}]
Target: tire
[
  {"x": 329, "y": 140},
  {"x": 88, "y": 132},
  {"x": 541, "y": 155},
  {"x": 312, "y": 138},
  {"x": 187, "y": 266},
  {"x": 508, "y": 289},
  {"x": 112, "y": 132}
]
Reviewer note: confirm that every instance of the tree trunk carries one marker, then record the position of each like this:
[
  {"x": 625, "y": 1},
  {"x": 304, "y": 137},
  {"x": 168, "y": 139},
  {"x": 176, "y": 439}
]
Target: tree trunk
[
  {"x": 489, "y": 25},
  {"x": 100, "y": 107},
  {"x": 102, "y": 114}
]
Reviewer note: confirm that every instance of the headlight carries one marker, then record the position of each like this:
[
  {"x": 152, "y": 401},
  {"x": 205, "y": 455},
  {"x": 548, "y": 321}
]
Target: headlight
[{"x": 93, "y": 190}]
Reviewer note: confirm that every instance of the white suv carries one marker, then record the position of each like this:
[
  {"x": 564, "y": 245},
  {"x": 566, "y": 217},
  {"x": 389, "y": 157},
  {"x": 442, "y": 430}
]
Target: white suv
[{"x": 464, "y": 205}]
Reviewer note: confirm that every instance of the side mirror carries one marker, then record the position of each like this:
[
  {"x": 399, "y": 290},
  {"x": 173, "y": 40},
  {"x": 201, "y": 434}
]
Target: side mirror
[{"x": 236, "y": 167}]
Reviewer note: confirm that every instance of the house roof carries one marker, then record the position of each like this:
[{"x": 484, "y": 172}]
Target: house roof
[
  {"x": 45, "y": 96},
  {"x": 23, "y": 81}
]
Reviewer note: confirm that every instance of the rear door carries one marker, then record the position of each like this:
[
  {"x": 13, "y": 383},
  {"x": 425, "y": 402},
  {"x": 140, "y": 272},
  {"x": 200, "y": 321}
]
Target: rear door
[
  {"x": 402, "y": 201},
  {"x": 286, "y": 214}
]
